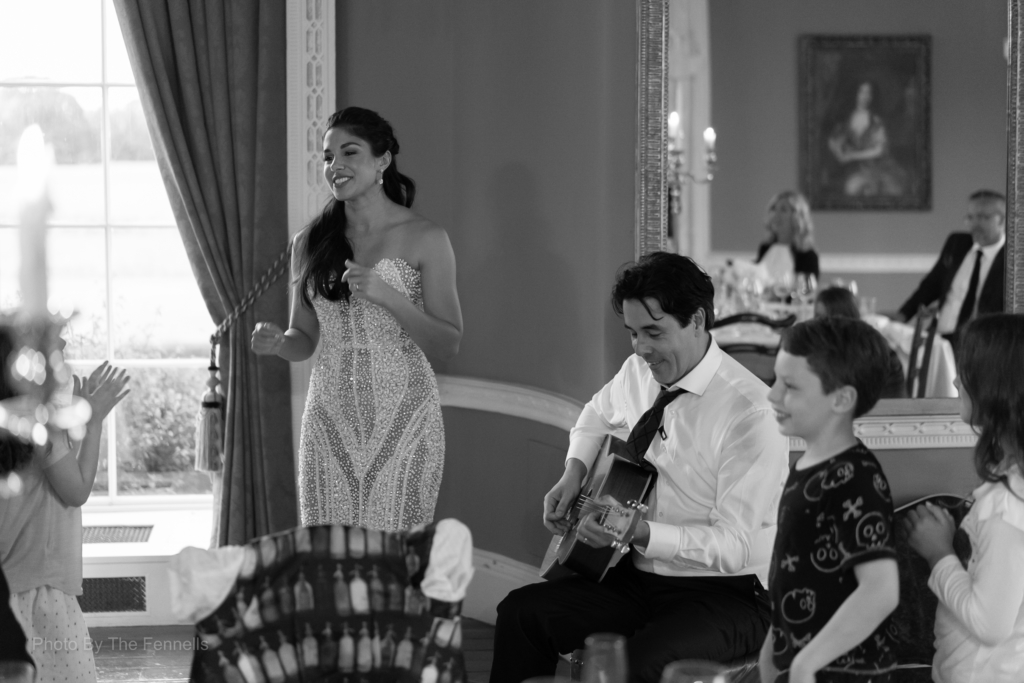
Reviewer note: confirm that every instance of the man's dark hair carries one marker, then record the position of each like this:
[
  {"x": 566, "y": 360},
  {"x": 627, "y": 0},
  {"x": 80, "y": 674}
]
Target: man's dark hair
[
  {"x": 676, "y": 282},
  {"x": 842, "y": 352},
  {"x": 988, "y": 195}
]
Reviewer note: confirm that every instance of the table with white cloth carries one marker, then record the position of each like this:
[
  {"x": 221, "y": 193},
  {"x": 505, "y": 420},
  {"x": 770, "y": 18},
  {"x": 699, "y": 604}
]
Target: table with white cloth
[{"x": 941, "y": 363}]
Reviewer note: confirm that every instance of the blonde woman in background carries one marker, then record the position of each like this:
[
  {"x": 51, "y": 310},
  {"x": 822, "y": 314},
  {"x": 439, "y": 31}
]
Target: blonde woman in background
[{"x": 789, "y": 249}]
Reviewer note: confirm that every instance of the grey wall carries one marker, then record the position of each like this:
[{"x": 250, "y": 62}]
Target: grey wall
[
  {"x": 517, "y": 122},
  {"x": 755, "y": 111}
]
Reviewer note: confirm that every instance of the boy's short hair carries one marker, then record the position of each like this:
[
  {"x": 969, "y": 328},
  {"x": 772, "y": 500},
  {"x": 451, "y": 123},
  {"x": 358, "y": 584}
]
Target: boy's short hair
[{"x": 842, "y": 352}]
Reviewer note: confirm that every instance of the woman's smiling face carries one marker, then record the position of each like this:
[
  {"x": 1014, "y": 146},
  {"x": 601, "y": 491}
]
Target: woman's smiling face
[
  {"x": 783, "y": 221},
  {"x": 350, "y": 168}
]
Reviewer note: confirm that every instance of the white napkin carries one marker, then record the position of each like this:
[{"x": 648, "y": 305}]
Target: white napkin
[
  {"x": 202, "y": 579},
  {"x": 450, "y": 568}
]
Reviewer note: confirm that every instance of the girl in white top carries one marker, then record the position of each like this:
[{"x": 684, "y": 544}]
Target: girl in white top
[
  {"x": 41, "y": 530},
  {"x": 979, "y": 625}
]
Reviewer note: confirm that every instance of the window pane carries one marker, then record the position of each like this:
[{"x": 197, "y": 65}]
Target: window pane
[
  {"x": 57, "y": 41},
  {"x": 137, "y": 194},
  {"x": 158, "y": 311},
  {"x": 119, "y": 69},
  {"x": 156, "y": 429},
  {"x": 76, "y": 261},
  {"x": 70, "y": 119}
]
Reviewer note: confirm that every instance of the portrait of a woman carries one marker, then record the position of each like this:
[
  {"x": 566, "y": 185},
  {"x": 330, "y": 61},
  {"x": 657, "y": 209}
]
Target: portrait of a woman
[
  {"x": 860, "y": 144},
  {"x": 865, "y": 140}
]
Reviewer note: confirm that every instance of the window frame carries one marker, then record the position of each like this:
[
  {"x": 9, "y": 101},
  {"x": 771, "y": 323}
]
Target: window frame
[{"x": 112, "y": 498}]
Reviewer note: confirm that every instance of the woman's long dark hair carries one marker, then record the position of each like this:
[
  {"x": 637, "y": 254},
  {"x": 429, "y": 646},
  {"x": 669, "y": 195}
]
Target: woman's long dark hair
[
  {"x": 990, "y": 364},
  {"x": 326, "y": 244},
  {"x": 14, "y": 454}
]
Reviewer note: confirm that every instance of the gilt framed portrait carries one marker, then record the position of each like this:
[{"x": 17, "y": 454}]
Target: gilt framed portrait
[{"x": 865, "y": 122}]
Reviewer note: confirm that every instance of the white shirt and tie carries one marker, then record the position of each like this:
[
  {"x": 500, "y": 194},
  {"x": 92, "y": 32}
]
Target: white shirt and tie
[
  {"x": 950, "y": 311},
  {"x": 721, "y": 465}
]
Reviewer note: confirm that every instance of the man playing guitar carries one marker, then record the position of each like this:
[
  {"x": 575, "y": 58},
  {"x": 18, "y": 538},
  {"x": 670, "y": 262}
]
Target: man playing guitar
[{"x": 692, "y": 587}]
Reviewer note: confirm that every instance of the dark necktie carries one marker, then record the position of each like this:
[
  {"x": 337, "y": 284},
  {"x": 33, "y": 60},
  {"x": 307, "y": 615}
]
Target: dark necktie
[
  {"x": 642, "y": 434},
  {"x": 967, "y": 308}
]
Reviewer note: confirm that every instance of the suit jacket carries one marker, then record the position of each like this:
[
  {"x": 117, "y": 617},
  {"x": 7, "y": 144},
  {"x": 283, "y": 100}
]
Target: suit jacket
[{"x": 935, "y": 285}]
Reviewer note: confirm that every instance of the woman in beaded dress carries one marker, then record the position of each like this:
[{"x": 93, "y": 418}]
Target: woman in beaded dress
[{"x": 374, "y": 284}]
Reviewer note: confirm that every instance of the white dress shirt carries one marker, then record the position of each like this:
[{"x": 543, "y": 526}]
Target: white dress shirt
[
  {"x": 962, "y": 281},
  {"x": 721, "y": 465},
  {"x": 979, "y": 624}
]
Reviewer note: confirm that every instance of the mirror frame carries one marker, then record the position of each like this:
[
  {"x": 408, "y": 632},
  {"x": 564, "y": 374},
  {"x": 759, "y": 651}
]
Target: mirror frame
[{"x": 893, "y": 423}]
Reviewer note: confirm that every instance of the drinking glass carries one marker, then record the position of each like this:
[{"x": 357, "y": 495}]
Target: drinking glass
[
  {"x": 694, "y": 671},
  {"x": 783, "y": 287},
  {"x": 605, "y": 659},
  {"x": 804, "y": 292}
]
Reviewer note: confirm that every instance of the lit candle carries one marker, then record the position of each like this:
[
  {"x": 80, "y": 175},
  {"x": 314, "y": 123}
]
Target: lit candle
[
  {"x": 673, "y": 126},
  {"x": 709, "y": 140},
  {"x": 34, "y": 159}
]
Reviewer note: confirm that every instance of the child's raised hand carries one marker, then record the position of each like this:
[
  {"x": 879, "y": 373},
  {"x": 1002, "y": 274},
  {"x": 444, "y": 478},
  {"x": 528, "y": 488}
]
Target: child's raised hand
[
  {"x": 104, "y": 389},
  {"x": 930, "y": 530}
]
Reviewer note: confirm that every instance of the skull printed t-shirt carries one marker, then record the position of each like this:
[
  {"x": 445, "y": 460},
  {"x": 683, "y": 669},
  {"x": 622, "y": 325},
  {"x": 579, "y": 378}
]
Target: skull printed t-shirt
[{"x": 832, "y": 517}]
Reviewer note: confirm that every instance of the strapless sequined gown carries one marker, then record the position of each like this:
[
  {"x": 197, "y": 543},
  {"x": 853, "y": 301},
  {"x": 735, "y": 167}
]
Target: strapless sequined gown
[{"x": 371, "y": 450}]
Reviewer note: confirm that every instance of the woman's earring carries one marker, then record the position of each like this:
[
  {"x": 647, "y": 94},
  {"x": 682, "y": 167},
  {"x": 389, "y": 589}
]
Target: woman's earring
[{"x": 380, "y": 177}]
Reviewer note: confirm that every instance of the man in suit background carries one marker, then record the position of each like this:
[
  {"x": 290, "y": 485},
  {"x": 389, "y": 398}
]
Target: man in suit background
[{"x": 967, "y": 280}]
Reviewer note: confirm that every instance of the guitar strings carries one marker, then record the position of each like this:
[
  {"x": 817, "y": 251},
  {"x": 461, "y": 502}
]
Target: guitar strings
[{"x": 586, "y": 504}]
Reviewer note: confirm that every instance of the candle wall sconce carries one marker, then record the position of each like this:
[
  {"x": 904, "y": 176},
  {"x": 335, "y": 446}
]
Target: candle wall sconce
[
  {"x": 678, "y": 173},
  {"x": 35, "y": 371}
]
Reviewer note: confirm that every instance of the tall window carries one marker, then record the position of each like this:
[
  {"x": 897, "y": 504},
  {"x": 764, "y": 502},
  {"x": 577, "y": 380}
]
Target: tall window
[{"x": 113, "y": 247}]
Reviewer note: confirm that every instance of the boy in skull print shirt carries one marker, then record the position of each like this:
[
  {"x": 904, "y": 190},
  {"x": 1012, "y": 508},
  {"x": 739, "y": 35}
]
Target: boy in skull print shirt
[
  {"x": 832, "y": 517},
  {"x": 833, "y": 580}
]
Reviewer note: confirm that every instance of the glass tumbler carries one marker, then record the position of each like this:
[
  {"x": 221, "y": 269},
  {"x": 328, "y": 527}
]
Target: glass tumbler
[
  {"x": 605, "y": 659},
  {"x": 694, "y": 671}
]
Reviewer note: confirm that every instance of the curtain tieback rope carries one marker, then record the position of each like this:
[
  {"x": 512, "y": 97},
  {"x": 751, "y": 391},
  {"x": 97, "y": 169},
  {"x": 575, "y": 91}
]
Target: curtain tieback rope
[{"x": 210, "y": 420}]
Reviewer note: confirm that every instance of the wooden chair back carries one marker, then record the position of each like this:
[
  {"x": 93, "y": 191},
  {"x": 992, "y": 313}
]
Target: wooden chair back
[{"x": 921, "y": 346}]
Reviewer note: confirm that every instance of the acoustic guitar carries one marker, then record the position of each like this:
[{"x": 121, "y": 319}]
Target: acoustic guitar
[{"x": 611, "y": 475}]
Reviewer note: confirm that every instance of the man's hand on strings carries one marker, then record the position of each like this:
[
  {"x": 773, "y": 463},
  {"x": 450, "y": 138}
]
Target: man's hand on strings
[{"x": 561, "y": 497}]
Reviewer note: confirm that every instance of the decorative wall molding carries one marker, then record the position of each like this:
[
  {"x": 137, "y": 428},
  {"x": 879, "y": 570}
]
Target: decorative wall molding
[
  {"x": 311, "y": 56},
  {"x": 504, "y": 398},
  {"x": 882, "y": 432},
  {"x": 689, "y": 94},
  {"x": 849, "y": 263},
  {"x": 311, "y": 59}
]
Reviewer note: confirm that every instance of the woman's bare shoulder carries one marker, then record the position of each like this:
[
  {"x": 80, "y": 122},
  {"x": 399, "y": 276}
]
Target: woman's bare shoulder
[
  {"x": 300, "y": 238},
  {"x": 417, "y": 231}
]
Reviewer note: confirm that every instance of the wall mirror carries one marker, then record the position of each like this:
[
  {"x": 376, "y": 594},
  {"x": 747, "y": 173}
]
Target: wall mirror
[{"x": 903, "y": 423}]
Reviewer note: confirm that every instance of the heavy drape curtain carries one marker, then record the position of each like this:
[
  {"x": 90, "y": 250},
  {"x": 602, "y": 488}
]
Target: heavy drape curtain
[{"x": 211, "y": 76}]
